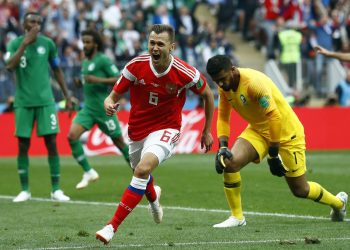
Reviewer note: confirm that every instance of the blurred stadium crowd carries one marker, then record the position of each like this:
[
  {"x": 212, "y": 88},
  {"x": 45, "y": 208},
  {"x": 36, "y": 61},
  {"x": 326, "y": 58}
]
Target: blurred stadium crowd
[{"x": 124, "y": 25}]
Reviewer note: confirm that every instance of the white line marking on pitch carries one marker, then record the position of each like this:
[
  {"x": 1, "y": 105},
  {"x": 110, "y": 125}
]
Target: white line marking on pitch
[
  {"x": 5, "y": 197},
  {"x": 179, "y": 244}
]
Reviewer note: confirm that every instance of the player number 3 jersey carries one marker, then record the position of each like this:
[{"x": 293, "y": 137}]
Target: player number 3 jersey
[{"x": 33, "y": 86}]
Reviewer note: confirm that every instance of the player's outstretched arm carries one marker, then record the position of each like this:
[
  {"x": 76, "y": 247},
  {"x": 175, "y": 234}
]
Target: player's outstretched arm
[
  {"x": 103, "y": 80},
  {"x": 208, "y": 100},
  {"x": 111, "y": 103},
  {"x": 336, "y": 55}
]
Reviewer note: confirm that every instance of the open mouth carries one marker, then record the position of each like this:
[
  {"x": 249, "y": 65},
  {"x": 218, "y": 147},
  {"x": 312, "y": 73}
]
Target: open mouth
[{"x": 156, "y": 57}]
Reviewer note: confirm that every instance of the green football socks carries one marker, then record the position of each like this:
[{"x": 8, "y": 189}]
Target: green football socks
[
  {"x": 79, "y": 155},
  {"x": 54, "y": 163},
  {"x": 22, "y": 166},
  {"x": 125, "y": 152}
]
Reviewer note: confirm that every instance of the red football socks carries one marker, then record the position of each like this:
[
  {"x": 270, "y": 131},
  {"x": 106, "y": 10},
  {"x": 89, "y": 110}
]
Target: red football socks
[
  {"x": 128, "y": 202},
  {"x": 150, "y": 192}
]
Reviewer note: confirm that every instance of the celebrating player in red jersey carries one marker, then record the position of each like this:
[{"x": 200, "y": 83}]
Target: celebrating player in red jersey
[{"x": 157, "y": 83}]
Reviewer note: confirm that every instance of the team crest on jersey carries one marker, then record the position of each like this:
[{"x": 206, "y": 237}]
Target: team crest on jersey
[
  {"x": 41, "y": 50},
  {"x": 91, "y": 67},
  {"x": 155, "y": 84},
  {"x": 171, "y": 88},
  {"x": 7, "y": 55},
  {"x": 243, "y": 99},
  {"x": 142, "y": 82},
  {"x": 264, "y": 102},
  {"x": 114, "y": 69}
]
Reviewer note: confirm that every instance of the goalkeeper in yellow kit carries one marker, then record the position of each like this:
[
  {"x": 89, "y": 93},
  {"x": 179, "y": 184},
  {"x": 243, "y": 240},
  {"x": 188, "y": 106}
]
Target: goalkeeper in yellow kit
[{"x": 273, "y": 130}]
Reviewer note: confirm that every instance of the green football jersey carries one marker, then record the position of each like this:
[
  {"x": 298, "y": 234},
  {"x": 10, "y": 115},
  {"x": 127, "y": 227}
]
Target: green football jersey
[
  {"x": 95, "y": 93},
  {"x": 33, "y": 86}
]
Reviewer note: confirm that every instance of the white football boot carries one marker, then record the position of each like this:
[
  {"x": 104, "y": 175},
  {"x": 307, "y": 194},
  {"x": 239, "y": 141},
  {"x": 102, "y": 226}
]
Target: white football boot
[
  {"x": 58, "y": 195},
  {"x": 231, "y": 222},
  {"x": 155, "y": 208},
  {"x": 89, "y": 176},
  {"x": 105, "y": 234},
  {"x": 339, "y": 214},
  {"x": 22, "y": 196}
]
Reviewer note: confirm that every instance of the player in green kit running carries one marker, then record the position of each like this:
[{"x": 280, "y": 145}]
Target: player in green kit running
[
  {"x": 30, "y": 57},
  {"x": 98, "y": 73}
]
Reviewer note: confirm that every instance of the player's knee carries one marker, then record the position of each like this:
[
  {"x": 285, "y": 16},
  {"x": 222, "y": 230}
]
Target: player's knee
[
  {"x": 24, "y": 144},
  {"x": 300, "y": 192},
  {"x": 233, "y": 165},
  {"x": 72, "y": 136},
  {"x": 142, "y": 170},
  {"x": 119, "y": 142}
]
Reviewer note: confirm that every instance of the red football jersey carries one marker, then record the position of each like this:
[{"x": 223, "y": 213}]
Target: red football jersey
[{"x": 157, "y": 99}]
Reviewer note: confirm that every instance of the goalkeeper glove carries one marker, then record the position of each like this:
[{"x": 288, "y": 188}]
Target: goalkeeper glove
[
  {"x": 223, "y": 153},
  {"x": 275, "y": 162}
]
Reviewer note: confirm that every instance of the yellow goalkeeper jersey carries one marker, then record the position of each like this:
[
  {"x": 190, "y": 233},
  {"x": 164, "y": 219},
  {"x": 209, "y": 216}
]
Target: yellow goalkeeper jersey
[{"x": 258, "y": 101}]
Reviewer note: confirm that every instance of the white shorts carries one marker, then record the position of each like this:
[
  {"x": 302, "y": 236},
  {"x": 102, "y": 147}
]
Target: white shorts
[{"x": 161, "y": 143}]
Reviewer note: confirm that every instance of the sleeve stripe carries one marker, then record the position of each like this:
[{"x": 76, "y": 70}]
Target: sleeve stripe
[
  {"x": 141, "y": 58},
  {"x": 127, "y": 74},
  {"x": 183, "y": 68}
]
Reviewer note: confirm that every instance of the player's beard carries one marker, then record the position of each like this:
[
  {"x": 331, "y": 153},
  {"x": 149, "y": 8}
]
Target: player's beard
[
  {"x": 88, "y": 52},
  {"x": 226, "y": 87}
]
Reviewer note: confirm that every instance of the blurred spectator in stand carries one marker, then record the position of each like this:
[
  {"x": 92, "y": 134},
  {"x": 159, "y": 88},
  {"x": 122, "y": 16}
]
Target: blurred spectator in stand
[
  {"x": 289, "y": 41},
  {"x": 211, "y": 50},
  {"x": 226, "y": 10},
  {"x": 204, "y": 31},
  {"x": 139, "y": 21},
  {"x": 336, "y": 22},
  {"x": 66, "y": 24},
  {"x": 228, "y": 46},
  {"x": 163, "y": 17},
  {"x": 138, "y": 48},
  {"x": 247, "y": 21},
  {"x": 322, "y": 31},
  {"x": 80, "y": 16},
  {"x": 111, "y": 14},
  {"x": 7, "y": 86},
  {"x": 347, "y": 26},
  {"x": 272, "y": 10},
  {"x": 185, "y": 29},
  {"x": 4, "y": 17},
  {"x": 70, "y": 66},
  {"x": 292, "y": 13},
  {"x": 9, "y": 104},
  {"x": 343, "y": 90},
  {"x": 130, "y": 37},
  {"x": 192, "y": 55}
]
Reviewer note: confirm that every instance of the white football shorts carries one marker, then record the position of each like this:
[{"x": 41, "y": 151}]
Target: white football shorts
[{"x": 160, "y": 143}]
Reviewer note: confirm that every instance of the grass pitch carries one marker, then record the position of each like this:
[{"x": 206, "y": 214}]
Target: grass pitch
[{"x": 192, "y": 199}]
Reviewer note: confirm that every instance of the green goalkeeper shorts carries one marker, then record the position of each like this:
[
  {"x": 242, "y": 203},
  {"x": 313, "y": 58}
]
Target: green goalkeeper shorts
[
  {"x": 45, "y": 118},
  {"x": 109, "y": 125}
]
